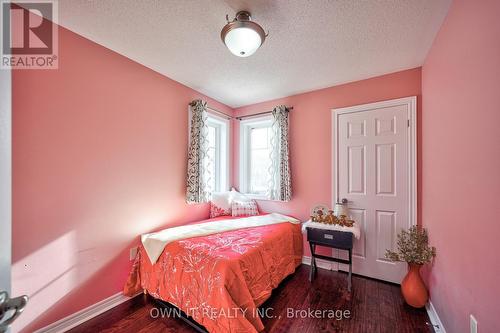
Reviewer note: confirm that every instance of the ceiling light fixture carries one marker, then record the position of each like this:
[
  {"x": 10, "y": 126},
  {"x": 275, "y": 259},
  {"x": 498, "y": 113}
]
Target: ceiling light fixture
[{"x": 242, "y": 36}]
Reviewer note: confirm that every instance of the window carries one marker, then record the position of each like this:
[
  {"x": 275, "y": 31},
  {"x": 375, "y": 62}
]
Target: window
[
  {"x": 255, "y": 156},
  {"x": 216, "y": 165}
]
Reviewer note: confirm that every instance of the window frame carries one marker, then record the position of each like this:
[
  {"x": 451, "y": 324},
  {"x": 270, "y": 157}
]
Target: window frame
[
  {"x": 223, "y": 153},
  {"x": 246, "y": 125}
]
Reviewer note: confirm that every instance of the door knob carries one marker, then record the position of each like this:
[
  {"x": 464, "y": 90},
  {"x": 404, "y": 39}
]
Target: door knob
[{"x": 10, "y": 309}]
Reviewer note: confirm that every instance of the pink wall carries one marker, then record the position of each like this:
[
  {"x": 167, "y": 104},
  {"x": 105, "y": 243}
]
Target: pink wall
[
  {"x": 461, "y": 164},
  {"x": 99, "y": 156},
  {"x": 310, "y": 134}
]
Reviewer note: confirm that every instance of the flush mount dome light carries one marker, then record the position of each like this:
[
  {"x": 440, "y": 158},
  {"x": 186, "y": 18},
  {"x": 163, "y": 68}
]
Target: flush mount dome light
[{"x": 242, "y": 36}]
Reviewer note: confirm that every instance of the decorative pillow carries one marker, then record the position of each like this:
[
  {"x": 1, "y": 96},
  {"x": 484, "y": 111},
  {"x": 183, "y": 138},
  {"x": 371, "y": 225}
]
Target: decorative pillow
[
  {"x": 218, "y": 211},
  {"x": 244, "y": 208},
  {"x": 220, "y": 205}
]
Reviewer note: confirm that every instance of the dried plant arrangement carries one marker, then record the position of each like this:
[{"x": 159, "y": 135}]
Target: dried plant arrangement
[{"x": 412, "y": 247}]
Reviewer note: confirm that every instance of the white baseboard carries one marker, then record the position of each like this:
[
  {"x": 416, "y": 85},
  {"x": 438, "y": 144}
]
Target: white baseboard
[
  {"x": 83, "y": 315},
  {"x": 434, "y": 318},
  {"x": 325, "y": 264}
]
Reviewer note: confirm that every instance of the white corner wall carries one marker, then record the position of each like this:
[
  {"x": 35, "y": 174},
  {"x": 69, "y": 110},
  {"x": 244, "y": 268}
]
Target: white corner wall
[{"x": 5, "y": 178}]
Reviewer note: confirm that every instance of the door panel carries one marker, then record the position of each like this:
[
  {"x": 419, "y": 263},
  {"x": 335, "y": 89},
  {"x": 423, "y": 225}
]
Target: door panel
[
  {"x": 356, "y": 169},
  {"x": 385, "y": 168},
  {"x": 359, "y": 246},
  {"x": 386, "y": 232},
  {"x": 372, "y": 172}
]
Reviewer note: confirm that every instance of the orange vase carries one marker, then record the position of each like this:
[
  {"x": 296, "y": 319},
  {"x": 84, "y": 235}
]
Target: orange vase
[{"x": 413, "y": 288}]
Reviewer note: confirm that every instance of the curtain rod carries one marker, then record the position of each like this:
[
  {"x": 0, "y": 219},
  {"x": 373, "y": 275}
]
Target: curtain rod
[
  {"x": 225, "y": 115},
  {"x": 242, "y": 117},
  {"x": 260, "y": 113}
]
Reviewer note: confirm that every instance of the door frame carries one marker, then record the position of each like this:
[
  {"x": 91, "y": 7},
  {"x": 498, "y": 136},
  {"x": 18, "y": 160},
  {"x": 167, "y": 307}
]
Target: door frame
[
  {"x": 411, "y": 103},
  {"x": 5, "y": 179}
]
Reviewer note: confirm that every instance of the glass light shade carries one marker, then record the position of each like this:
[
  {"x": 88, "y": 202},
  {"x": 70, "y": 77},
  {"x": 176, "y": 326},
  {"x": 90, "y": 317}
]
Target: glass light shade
[{"x": 242, "y": 41}]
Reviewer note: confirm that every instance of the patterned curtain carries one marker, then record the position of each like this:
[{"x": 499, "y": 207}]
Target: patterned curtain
[
  {"x": 280, "y": 186},
  {"x": 197, "y": 176}
]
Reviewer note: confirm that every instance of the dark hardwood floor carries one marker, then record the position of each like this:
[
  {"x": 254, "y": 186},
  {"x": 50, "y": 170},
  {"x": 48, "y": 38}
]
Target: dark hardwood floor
[{"x": 374, "y": 306}]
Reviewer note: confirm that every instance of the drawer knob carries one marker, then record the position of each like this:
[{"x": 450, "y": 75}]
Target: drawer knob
[{"x": 327, "y": 236}]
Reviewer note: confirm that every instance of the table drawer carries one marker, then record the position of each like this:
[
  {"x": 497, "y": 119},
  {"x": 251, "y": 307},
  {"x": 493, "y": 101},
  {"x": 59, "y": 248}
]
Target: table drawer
[{"x": 334, "y": 238}]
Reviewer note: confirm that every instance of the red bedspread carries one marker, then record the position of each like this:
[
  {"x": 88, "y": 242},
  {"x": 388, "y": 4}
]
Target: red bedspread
[{"x": 221, "y": 279}]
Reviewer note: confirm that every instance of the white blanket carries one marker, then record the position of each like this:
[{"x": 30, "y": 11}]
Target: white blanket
[
  {"x": 155, "y": 242},
  {"x": 355, "y": 230}
]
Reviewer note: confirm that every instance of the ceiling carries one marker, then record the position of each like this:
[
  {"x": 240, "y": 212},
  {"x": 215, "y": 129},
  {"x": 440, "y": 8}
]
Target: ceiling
[{"x": 312, "y": 44}]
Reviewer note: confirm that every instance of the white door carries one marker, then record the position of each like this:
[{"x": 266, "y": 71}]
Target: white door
[{"x": 374, "y": 154}]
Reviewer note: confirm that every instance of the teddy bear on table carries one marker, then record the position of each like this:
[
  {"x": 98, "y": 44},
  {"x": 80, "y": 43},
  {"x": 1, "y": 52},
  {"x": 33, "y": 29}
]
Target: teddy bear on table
[{"x": 320, "y": 216}]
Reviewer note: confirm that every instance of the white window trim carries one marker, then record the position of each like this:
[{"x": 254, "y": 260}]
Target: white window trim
[
  {"x": 224, "y": 171},
  {"x": 222, "y": 155},
  {"x": 245, "y": 126}
]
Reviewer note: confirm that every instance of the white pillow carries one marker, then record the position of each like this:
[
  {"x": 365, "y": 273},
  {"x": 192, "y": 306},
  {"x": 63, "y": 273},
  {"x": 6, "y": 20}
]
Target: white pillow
[
  {"x": 222, "y": 199},
  {"x": 237, "y": 196}
]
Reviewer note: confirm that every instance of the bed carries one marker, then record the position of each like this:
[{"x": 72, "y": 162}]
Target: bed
[{"x": 219, "y": 271}]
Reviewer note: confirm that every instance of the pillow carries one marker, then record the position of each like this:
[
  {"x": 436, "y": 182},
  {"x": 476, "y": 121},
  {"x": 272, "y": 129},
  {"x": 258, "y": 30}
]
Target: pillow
[
  {"x": 244, "y": 208},
  {"x": 220, "y": 205},
  {"x": 237, "y": 196},
  {"x": 216, "y": 211}
]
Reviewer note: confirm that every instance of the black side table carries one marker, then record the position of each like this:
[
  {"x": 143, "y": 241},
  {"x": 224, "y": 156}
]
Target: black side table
[{"x": 334, "y": 239}]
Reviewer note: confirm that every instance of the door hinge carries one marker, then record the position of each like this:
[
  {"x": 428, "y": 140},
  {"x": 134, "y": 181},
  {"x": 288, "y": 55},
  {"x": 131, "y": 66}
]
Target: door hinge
[{"x": 408, "y": 122}]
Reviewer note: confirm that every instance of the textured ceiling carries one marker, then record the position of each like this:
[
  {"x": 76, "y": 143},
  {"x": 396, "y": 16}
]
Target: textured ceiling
[{"x": 312, "y": 43}]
